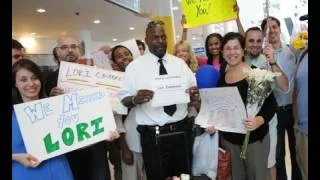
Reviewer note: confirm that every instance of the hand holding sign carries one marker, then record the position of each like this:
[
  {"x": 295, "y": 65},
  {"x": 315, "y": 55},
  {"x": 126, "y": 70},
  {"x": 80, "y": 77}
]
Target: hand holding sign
[
  {"x": 56, "y": 91},
  {"x": 194, "y": 97},
  {"x": 143, "y": 96},
  {"x": 27, "y": 160}
]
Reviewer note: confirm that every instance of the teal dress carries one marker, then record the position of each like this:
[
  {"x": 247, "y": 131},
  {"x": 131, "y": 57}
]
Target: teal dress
[{"x": 55, "y": 168}]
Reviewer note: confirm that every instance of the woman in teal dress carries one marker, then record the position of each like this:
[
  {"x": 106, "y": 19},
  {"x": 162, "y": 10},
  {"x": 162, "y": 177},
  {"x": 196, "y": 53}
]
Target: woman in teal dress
[{"x": 27, "y": 81}]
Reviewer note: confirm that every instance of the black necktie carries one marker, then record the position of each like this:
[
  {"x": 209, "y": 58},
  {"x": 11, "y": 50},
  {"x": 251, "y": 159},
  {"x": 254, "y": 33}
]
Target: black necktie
[{"x": 170, "y": 110}]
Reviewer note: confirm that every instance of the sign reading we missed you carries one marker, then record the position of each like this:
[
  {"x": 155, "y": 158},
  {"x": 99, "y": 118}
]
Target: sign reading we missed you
[
  {"x": 73, "y": 77},
  {"x": 203, "y": 12},
  {"x": 60, "y": 124}
]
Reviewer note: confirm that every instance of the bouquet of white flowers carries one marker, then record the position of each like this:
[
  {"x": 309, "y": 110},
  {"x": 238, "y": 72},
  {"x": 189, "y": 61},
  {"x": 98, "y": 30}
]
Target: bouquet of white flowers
[{"x": 261, "y": 83}]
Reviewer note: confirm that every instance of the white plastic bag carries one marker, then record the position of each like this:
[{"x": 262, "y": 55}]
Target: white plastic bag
[{"x": 205, "y": 155}]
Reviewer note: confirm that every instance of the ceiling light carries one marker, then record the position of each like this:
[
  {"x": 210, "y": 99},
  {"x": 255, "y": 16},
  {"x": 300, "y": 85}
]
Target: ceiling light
[
  {"x": 131, "y": 28},
  {"x": 27, "y": 41},
  {"x": 175, "y": 8},
  {"x": 96, "y": 21},
  {"x": 41, "y": 10},
  {"x": 33, "y": 33},
  {"x": 193, "y": 38},
  {"x": 114, "y": 39}
]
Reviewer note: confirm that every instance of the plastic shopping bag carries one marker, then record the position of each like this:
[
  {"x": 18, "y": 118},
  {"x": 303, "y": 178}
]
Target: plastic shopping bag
[{"x": 205, "y": 155}]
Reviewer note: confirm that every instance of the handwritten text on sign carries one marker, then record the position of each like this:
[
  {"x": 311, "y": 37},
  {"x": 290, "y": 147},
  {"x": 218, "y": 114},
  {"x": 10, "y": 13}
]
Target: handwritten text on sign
[
  {"x": 202, "y": 12},
  {"x": 222, "y": 108},
  {"x": 74, "y": 77},
  {"x": 60, "y": 124}
]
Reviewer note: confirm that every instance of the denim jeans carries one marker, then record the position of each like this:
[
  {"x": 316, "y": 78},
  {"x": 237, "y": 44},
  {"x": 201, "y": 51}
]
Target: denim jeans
[{"x": 285, "y": 123}]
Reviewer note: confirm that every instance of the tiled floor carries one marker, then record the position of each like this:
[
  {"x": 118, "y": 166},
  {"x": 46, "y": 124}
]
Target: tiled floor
[{"x": 288, "y": 162}]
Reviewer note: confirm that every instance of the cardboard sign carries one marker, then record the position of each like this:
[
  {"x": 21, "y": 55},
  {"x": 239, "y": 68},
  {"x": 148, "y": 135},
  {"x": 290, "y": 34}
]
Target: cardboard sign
[
  {"x": 73, "y": 77},
  {"x": 60, "y": 124},
  {"x": 203, "y": 12}
]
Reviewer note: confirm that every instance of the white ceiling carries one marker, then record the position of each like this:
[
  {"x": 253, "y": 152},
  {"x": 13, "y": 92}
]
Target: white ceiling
[{"x": 60, "y": 18}]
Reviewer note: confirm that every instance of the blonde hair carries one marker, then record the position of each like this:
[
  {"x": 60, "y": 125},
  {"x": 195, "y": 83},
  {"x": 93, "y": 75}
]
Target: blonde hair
[{"x": 193, "y": 62}]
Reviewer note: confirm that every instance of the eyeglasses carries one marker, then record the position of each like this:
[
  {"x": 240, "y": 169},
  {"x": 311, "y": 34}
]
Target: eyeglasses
[{"x": 66, "y": 47}]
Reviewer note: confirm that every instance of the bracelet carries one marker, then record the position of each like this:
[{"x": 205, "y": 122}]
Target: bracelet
[
  {"x": 132, "y": 100},
  {"x": 272, "y": 63}
]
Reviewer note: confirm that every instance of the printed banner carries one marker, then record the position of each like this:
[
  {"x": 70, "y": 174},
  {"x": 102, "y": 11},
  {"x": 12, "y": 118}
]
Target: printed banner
[
  {"x": 60, "y": 124},
  {"x": 73, "y": 77},
  {"x": 203, "y": 12}
]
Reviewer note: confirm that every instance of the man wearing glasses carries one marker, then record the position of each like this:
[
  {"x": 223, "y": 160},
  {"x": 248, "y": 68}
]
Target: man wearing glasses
[
  {"x": 67, "y": 50},
  {"x": 89, "y": 162},
  {"x": 17, "y": 51}
]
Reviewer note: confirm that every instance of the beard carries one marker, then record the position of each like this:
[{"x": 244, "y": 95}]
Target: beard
[
  {"x": 254, "y": 55},
  {"x": 159, "y": 51},
  {"x": 71, "y": 58}
]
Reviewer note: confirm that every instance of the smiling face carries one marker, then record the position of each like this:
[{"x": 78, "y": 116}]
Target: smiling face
[
  {"x": 157, "y": 40},
  {"x": 233, "y": 52},
  {"x": 274, "y": 32},
  {"x": 68, "y": 49},
  {"x": 28, "y": 84},
  {"x": 122, "y": 57},
  {"x": 214, "y": 45},
  {"x": 254, "y": 43},
  {"x": 183, "y": 53}
]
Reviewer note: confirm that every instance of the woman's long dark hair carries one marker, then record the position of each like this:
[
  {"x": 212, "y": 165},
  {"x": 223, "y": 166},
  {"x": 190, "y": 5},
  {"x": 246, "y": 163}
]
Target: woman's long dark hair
[
  {"x": 32, "y": 67},
  {"x": 209, "y": 55}
]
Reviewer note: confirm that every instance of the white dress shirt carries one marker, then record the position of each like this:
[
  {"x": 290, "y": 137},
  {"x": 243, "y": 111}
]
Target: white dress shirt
[{"x": 139, "y": 75}]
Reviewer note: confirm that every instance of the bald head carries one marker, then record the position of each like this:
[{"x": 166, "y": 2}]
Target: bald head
[{"x": 68, "y": 49}]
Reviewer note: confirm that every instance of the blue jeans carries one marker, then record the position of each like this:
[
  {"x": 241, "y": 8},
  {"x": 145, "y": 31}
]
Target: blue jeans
[{"x": 285, "y": 123}]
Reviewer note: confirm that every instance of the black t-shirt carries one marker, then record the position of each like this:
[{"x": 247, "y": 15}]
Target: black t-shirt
[{"x": 51, "y": 81}]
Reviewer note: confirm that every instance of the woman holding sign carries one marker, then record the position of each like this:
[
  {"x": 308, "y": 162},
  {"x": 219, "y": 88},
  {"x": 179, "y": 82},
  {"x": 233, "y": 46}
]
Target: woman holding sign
[
  {"x": 27, "y": 82},
  {"x": 255, "y": 166}
]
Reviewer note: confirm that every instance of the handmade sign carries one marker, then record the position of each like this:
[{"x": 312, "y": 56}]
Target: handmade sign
[
  {"x": 60, "y": 124},
  {"x": 203, "y": 12},
  {"x": 74, "y": 77}
]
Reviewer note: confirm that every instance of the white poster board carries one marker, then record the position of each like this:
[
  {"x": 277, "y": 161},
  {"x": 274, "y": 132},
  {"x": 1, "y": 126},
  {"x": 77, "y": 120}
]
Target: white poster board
[
  {"x": 223, "y": 108},
  {"x": 168, "y": 90},
  {"x": 73, "y": 77},
  {"x": 60, "y": 124}
]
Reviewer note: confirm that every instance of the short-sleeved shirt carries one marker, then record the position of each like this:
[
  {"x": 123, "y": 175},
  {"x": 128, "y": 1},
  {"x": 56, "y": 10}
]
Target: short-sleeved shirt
[{"x": 139, "y": 75}]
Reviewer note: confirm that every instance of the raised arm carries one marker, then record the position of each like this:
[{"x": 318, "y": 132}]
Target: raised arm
[
  {"x": 239, "y": 25},
  {"x": 184, "y": 30}
]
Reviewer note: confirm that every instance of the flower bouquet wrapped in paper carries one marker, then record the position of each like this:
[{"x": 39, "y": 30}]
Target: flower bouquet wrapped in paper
[{"x": 261, "y": 83}]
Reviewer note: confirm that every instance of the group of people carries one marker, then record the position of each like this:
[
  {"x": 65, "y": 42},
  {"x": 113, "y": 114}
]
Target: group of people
[{"x": 156, "y": 142}]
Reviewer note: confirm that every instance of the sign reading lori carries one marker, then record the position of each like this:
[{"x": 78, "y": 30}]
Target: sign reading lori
[{"x": 60, "y": 124}]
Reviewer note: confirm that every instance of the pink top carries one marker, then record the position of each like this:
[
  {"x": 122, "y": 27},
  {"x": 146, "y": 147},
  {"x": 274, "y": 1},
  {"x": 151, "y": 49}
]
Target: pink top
[{"x": 216, "y": 63}]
